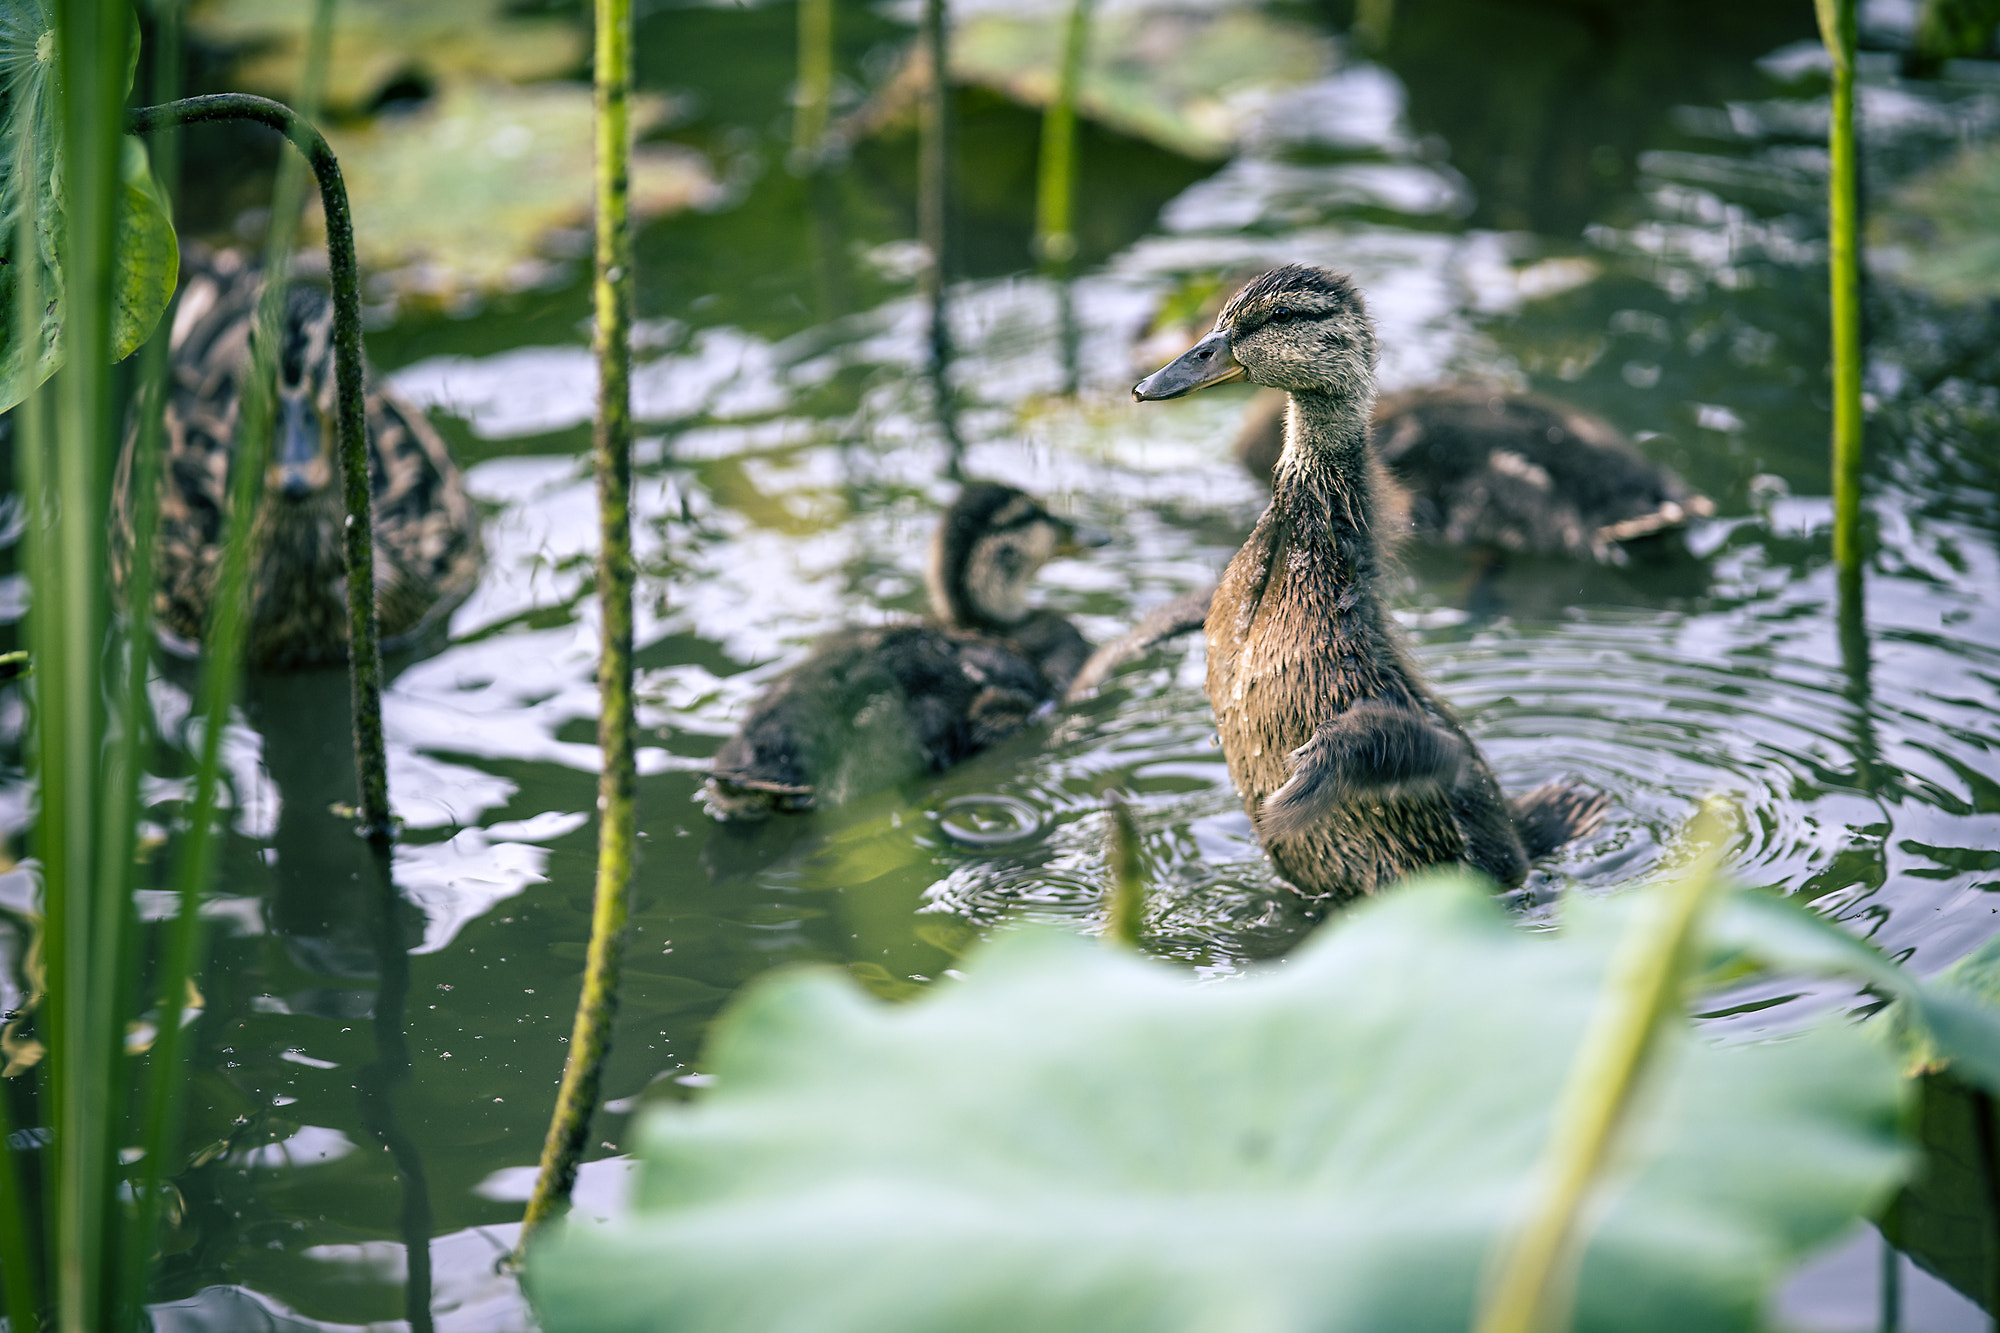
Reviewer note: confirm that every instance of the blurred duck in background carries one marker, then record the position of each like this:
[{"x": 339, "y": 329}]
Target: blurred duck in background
[{"x": 427, "y": 547}]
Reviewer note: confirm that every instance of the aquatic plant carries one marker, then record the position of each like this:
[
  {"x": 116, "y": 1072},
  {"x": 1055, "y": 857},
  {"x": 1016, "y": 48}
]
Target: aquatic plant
[
  {"x": 815, "y": 87},
  {"x": 611, "y": 451},
  {"x": 1837, "y": 30},
  {"x": 1367, "y": 1137},
  {"x": 1055, "y": 199}
]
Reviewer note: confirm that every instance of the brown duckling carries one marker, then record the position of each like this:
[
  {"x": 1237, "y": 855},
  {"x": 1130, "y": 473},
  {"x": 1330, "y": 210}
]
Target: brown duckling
[
  {"x": 874, "y": 706},
  {"x": 1354, "y": 773},
  {"x": 1505, "y": 472},
  {"x": 427, "y": 548}
]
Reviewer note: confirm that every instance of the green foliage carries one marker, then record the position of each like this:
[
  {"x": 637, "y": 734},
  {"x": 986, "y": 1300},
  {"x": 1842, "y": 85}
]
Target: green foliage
[
  {"x": 1937, "y": 231},
  {"x": 381, "y": 41},
  {"x": 1074, "y": 1138},
  {"x": 31, "y": 145},
  {"x": 1172, "y": 78},
  {"x": 439, "y": 210}
]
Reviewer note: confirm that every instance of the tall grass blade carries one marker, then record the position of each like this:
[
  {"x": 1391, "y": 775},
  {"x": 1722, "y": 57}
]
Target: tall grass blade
[
  {"x": 617, "y": 782},
  {"x": 1643, "y": 994}
]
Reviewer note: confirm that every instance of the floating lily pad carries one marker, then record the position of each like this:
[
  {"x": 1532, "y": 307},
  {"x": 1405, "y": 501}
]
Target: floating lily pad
[
  {"x": 1937, "y": 232},
  {"x": 148, "y": 257},
  {"x": 377, "y": 42},
  {"x": 1188, "y": 81},
  {"x": 465, "y": 194},
  {"x": 1073, "y": 1138}
]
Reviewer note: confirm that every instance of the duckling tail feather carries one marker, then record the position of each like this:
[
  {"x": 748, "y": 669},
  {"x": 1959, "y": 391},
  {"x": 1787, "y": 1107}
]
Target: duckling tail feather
[{"x": 1555, "y": 813}]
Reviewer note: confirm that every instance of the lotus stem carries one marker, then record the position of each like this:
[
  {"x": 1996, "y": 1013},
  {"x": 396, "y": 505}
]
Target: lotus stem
[
  {"x": 1126, "y": 911},
  {"x": 590, "y": 1038},
  {"x": 364, "y": 648},
  {"x": 1055, "y": 235},
  {"x": 1837, "y": 29},
  {"x": 815, "y": 87}
]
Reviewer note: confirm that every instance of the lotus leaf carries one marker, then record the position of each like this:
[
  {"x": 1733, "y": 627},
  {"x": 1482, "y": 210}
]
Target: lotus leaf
[
  {"x": 464, "y": 194},
  {"x": 1187, "y": 81},
  {"x": 148, "y": 256},
  {"x": 1071, "y": 1137},
  {"x": 377, "y": 42}
]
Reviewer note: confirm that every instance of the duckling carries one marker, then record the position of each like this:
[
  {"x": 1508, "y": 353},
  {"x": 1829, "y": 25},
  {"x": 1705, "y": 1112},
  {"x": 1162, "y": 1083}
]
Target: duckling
[
  {"x": 427, "y": 547},
  {"x": 1505, "y": 472},
  {"x": 874, "y": 706},
  {"x": 1354, "y": 772}
]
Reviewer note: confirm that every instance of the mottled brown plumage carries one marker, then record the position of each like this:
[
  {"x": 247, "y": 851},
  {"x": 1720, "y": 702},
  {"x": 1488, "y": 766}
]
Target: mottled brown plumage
[
  {"x": 1354, "y": 773},
  {"x": 427, "y": 548},
  {"x": 874, "y": 706}
]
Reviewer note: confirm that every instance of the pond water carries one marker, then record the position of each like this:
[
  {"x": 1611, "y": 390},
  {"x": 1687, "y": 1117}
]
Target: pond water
[{"x": 1647, "y": 243}]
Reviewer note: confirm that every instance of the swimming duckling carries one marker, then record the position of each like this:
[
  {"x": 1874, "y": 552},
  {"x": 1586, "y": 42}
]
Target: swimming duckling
[
  {"x": 1506, "y": 472},
  {"x": 427, "y": 548},
  {"x": 875, "y": 706},
  {"x": 1354, "y": 773}
]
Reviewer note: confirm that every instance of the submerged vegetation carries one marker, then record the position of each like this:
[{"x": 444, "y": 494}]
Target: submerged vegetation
[{"x": 834, "y": 283}]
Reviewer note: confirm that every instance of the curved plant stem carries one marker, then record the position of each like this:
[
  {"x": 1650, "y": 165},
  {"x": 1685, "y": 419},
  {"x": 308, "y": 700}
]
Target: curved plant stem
[
  {"x": 364, "y": 656},
  {"x": 1836, "y": 26},
  {"x": 1642, "y": 997},
  {"x": 590, "y": 1038}
]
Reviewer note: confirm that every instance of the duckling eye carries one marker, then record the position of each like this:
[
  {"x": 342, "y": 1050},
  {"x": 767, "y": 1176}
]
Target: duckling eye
[{"x": 1282, "y": 315}]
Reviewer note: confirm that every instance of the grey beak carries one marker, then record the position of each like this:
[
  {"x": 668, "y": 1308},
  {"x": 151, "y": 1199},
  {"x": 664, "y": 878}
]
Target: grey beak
[
  {"x": 1207, "y": 362},
  {"x": 298, "y": 444}
]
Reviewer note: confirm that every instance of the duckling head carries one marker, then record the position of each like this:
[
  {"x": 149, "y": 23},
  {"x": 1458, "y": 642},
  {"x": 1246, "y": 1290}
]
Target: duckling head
[
  {"x": 1296, "y": 328},
  {"x": 993, "y": 541},
  {"x": 302, "y": 436}
]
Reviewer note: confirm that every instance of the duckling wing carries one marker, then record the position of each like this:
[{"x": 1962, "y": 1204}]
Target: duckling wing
[
  {"x": 1370, "y": 746},
  {"x": 1182, "y": 615}
]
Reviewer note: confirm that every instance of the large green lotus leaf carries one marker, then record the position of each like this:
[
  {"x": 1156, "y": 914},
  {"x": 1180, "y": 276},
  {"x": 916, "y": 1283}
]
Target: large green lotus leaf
[
  {"x": 1072, "y": 1138},
  {"x": 1937, "y": 232},
  {"x": 148, "y": 256},
  {"x": 463, "y": 195},
  {"x": 1184, "y": 80},
  {"x": 376, "y": 42}
]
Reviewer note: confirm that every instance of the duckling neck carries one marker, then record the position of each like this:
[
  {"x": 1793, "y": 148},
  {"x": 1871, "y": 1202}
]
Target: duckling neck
[{"x": 1326, "y": 471}]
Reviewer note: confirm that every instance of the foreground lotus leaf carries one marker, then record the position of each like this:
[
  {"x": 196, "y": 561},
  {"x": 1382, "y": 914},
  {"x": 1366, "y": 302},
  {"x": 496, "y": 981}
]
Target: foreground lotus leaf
[
  {"x": 1074, "y": 1138},
  {"x": 376, "y": 42},
  {"x": 465, "y": 194}
]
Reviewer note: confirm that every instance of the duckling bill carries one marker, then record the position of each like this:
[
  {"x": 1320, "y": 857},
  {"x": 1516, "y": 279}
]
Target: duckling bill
[
  {"x": 1355, "y": 773},
  {"x": 427, "y": 547},
  {"x": 874, "y": 706}
]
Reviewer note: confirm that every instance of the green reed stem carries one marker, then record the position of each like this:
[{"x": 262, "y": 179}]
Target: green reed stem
[
  {"x": 815, "y": 90},
  {"x": 1836, "y": 26},
  {"x": 1055, "y": 194},
  {"x": 611, "y": 444},
  {"x": 364, "y": 656},
  {"x": 1643, "y": 996},
  {"x": 88, "y": 910},
  {"x": 934, "y": 217},
  {"x": 1126, "y": 911},
  {"x": 21, "y": 1236}
]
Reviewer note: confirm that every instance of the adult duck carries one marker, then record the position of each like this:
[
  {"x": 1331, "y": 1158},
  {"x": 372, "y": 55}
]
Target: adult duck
[
  {"x": 427, "y": 548},
  {"x": 1354, "y": 772},
  {"x": 873, "y": 706}
]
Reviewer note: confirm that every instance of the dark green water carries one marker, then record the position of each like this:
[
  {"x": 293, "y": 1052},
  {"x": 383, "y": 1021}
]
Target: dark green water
[{"x": 367, "y": 1076}]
